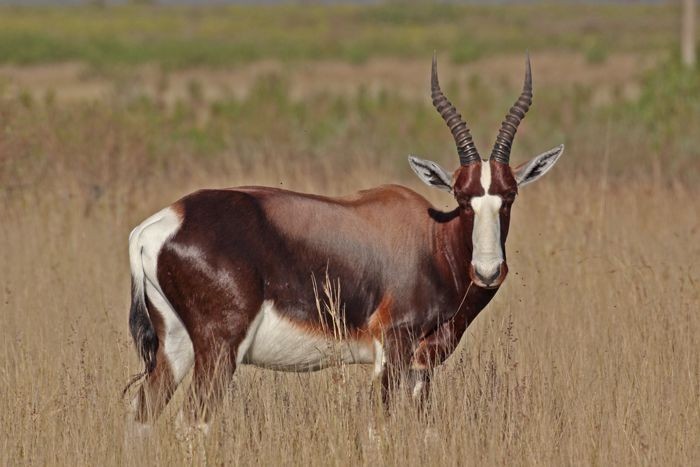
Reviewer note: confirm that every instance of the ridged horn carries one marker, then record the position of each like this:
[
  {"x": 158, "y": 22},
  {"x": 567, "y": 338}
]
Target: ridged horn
[
  {"x": 463, "y": 138},
  {"x": 504, "y": 140}
]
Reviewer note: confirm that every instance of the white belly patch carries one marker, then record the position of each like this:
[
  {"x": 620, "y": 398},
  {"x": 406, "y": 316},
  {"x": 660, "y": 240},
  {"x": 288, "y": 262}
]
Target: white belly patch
[{"x": 274, "y": 342}]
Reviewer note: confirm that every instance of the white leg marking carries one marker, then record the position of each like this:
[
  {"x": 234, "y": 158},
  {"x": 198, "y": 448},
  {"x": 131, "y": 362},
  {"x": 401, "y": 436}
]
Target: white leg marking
[
  {"x": 379, "y": 359},
  {"x": 418, "y": 389}
]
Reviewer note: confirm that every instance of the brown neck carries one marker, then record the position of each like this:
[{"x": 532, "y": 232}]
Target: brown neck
[{"x": 453, "y": 248}]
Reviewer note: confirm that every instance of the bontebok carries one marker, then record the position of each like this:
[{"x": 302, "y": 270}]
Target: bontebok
[{"x": 227, "y": 277}]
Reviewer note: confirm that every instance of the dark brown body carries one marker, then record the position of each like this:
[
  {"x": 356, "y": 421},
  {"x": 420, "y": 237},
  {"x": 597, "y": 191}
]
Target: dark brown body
[
  {"x": 394, "y": 257},
  {"x": 401, "y": 266},
  {"x": 229, "y": 277}
]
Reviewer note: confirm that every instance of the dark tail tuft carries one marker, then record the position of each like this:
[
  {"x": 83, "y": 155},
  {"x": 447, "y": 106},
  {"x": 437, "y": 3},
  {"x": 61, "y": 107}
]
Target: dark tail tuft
[{"x": 142, "y": 331}]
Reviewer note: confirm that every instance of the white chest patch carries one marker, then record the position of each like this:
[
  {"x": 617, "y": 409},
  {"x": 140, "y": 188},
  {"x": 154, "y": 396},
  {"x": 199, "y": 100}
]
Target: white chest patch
[
  {"x": 276, "y": 343},
  {"x": 486, "y": 236}
]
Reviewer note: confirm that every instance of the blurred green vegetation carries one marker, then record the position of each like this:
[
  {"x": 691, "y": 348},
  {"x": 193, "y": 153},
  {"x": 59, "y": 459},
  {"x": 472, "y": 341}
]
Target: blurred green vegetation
[
  {"x": 131, "y": 135},
  {"x": 177, "y": 37},
  {"x": 141, "y": 133},
  {"x": 669, "y": 104}
]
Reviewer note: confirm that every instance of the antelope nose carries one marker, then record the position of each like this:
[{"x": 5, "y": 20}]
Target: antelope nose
[{"x": 488, "y": 279}]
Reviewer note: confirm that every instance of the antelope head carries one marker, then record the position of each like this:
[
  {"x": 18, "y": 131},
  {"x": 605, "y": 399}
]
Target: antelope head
[{"x": 485, "y": 189}]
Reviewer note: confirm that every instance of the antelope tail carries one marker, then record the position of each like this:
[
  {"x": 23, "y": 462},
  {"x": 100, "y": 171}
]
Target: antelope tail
[{"x": 140, "y": 325}]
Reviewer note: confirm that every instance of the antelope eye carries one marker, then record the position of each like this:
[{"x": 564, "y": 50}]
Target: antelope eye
[{"x": 463, "y": 200}]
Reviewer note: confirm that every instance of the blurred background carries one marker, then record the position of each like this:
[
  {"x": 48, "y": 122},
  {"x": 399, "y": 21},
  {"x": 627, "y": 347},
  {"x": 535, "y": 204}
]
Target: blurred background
[
  {"x": 141, "y": 85},
  {"x": 110, "y": 110}
]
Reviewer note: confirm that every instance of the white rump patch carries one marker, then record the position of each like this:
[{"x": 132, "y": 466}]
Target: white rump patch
[
  {"x": 154, "y": 232},
  {"x": 276, "y": 343},
  {"x": 145, "y": 243}
]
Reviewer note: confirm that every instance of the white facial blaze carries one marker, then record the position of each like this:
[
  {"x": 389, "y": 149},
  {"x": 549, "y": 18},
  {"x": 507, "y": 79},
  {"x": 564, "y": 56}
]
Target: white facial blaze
[{"x": 486, "y": 236}]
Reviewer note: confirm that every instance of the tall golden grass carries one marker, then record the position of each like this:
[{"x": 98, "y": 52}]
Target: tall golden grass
[{"x": 588, "y": 354}]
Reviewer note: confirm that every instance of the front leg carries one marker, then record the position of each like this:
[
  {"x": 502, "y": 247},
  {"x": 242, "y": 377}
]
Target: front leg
[
  {"x": 404, "y": 355},
  {"x": 418, "y": 382},
  {"x": 406, "y": 363},
  {"x": 394, "y": 365},
  {"x": 430, "y": 352},
  {"x": 437, "y": 346}
]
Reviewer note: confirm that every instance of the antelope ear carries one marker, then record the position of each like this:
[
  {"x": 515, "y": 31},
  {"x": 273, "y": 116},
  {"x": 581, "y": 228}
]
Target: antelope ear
[
  {"x": 538, "y": 166},
  {"x": 431, "y": 173}
]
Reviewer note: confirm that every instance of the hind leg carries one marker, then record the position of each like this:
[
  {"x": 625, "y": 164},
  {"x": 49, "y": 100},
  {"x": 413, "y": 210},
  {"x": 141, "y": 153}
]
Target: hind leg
[
  {"x": 173, "y": 360},
  {"x": 217, "y": 301},
  {"x": 217, "y": 344},
  {"x": 397, "y": 348},
  {"x": 151, "y": 398},
  {"x": 214, "y": 366},
  {"x": 204, "y": 396}
]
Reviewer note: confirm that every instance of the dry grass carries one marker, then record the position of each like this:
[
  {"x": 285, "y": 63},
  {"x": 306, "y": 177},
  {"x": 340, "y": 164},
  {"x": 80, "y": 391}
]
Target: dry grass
[{"x": 588, "y": 355}]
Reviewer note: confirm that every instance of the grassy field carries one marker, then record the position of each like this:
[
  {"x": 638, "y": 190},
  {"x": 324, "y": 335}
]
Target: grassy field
[
  {"x": 588, "y": 354},
  {"x": 225, "y": 36}
]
